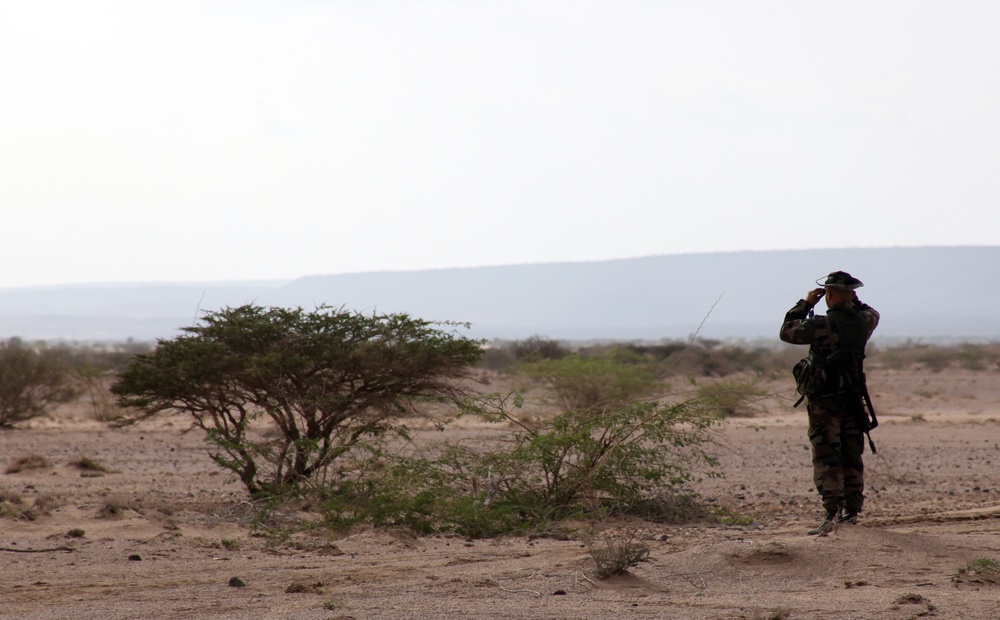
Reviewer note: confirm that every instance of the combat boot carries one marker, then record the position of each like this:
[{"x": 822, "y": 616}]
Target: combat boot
[
  {"x": 828, "y": 525},
  {"x": 850, "y": 517}
]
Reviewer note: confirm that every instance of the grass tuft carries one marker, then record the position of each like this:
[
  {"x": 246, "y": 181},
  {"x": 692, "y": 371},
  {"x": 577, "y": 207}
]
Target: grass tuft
[
  {"x": 85, "y": 463},
  {"x": 980, "y": 570}
]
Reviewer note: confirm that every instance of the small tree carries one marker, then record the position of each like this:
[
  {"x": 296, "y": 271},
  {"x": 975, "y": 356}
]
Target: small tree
[
  {"x": 328, "y": 379},
  {"x": 31, "y": 382}
]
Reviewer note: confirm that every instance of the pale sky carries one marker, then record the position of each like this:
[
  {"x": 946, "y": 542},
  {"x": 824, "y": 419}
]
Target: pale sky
[{"x": 248, "y": 140}]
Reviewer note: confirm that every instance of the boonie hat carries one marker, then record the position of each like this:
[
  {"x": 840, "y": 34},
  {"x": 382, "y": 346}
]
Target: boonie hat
[{"x": 841, "y": 280}]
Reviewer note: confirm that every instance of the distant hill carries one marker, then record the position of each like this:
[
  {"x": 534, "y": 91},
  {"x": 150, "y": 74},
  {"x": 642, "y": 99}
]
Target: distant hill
[{"x": 928, "y": 294}]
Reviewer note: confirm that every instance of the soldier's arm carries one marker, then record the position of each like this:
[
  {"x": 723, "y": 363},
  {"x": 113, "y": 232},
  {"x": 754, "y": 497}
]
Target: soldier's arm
[
  {"x": 796, "y": 328},
  {"x": 870, "y": 315}
]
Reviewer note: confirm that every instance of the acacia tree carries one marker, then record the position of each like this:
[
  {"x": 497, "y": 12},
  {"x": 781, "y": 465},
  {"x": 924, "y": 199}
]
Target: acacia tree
[
  {"x": 31, "y": 381},
  {"x": 328, "y": 379}
]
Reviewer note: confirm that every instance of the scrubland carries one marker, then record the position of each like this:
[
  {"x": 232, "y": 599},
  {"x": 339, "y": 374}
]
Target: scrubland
[{"x": 101, "y": 521}]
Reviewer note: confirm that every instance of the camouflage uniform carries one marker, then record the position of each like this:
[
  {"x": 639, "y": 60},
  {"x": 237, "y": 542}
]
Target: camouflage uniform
[{"x": 835, "y": 432}]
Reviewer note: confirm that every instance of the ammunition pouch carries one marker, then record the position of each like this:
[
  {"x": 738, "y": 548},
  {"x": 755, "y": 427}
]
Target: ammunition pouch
[
  {"x": 848, "y": 388},
  {"x": 810, "y": 377}
]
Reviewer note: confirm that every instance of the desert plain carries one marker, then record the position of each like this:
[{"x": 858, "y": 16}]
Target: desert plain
[{"x": 159, "y": 531}]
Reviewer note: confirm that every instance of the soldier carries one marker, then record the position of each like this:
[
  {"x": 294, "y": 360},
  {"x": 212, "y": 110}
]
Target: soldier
[{"x": 831, "y": 379}]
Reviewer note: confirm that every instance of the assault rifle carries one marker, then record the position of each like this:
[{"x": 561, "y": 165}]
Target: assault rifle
[{"x": 860, "y": 402}]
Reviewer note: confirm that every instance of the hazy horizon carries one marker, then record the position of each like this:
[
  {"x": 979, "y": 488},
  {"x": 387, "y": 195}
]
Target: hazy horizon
[
  {"x": 736, "y": 294},
  {"x": 283, "y": 281}
]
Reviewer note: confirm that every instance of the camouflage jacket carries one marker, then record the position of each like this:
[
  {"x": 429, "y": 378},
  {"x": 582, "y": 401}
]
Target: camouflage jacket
[
  {"x": 815, "y": 331},
  {"x": 821, "y": 332}
]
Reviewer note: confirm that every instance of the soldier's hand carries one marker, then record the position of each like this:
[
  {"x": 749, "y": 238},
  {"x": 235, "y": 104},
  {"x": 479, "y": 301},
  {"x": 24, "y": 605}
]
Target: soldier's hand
[{"x": 813, "y": 296}]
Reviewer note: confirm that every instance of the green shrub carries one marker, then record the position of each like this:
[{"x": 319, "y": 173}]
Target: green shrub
[
  {"x": 732, "y": 397},
  {"x": 582, "y": 382},
  {"x": 599, "y": 460},
  {"x": 430, "y": 492},
  {"x": 623, "y": 459},
  {"x": 538, "y": 348}
]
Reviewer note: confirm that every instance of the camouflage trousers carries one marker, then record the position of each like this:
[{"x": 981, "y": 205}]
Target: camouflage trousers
[{"x": 837, "y": 443}]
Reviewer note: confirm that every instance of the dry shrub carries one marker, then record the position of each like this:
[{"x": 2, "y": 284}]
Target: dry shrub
[
  {"x": 614, "y": 554},
  {"x": 10, "y": 505},
  {"x": 303, "y": 587},
  {"x": 910, "y": 599},
  {"x": 43, "y": 506},
  {"x": 936, "y": 360},
  {"x": 982, "y": 570},
  {"x": 85, "y": 463},
  {"x": 160, "y": 505},
  {"x": 915, "y": 599},
  {"x": 262, "y": 513},
  {"x": 10, "y": 497},
  {"x": 27, "y": 462},
  {"x": 116, "y": 506},
  {"x": 313, "y": 547},
  {"x": 95, "y": 384},
  {"x": 33, "y": 380}
]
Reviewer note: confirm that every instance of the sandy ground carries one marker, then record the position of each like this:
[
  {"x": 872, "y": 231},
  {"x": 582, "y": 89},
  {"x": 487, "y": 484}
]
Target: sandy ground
[{"x": 163, "y": 532}]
